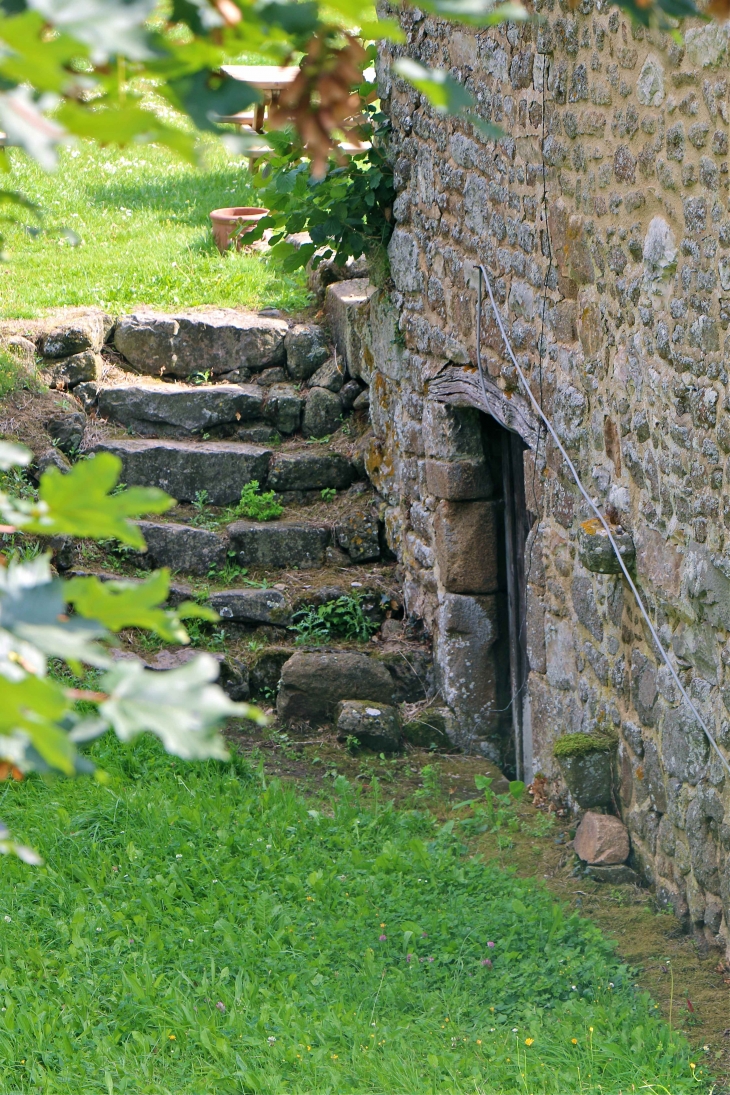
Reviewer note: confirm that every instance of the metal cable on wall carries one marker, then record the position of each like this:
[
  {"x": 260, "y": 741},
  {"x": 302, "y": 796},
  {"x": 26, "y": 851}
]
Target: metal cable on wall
[{"x": 548, "y": 425}]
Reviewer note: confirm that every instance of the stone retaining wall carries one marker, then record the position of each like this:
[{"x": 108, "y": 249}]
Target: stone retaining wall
[{"x": 602, "y": 217}]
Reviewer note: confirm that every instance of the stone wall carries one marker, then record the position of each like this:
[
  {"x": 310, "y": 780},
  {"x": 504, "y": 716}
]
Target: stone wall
[{"x": 602, "y": 217}]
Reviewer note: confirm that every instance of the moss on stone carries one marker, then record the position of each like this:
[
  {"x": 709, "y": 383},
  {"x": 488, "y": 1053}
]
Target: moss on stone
[{"x": 580, "y": 745}]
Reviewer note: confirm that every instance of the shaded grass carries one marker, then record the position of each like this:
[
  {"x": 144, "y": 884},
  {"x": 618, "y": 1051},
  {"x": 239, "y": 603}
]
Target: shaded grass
[
  {"x": 142, "y": 220},
  {"x": 198, "y": 930}
]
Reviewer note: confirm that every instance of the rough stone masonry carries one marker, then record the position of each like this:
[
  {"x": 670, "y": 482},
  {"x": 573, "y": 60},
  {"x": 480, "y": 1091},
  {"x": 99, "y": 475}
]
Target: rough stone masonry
[{"x": 602, "y": 216}]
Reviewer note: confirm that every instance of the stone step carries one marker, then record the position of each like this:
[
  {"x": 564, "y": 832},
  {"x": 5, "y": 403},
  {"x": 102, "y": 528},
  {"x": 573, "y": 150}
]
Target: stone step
[
  {"x": 182, "y": 548},
  {"x": 218, "y": 342},
  {"x": 183, "y": 410},
  {"x": 309, "y": 470},
  {"x": 183, "y": 468},
  {"x": 276, "y": 544}
]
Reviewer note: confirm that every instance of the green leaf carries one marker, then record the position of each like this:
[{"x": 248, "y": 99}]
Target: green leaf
[
  {"x": 516, "y": 789},
  {"x": 120, "y": 604},
  {"x": 207, "y": 95},
  {"x": 79, "y": 503},
  {"x": 487, "y": 129},
  {"x": 300, "y": 18},
  {"x": 12, "y": 455},
  {"x": 30, "y": 711},
  {"x": 518, "y": 907},
  {"x": 122, "y": 123},
  {"x": 483, "y": 783},
  {"x": 109, "y": 30},
  {"x": 481, "y": 13},
  {"x": 34, "y": 625},
  {"x": 443, "y": 92},
  {"x": 35, "y": 58},
  {"x": 388, "y": 30},
  {"x": 182, "y": 707}
]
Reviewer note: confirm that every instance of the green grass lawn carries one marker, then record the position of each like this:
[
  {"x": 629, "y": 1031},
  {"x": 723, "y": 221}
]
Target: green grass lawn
[
  {"x": 142, "y": 220},
  {"x": 196, "y": 931}
]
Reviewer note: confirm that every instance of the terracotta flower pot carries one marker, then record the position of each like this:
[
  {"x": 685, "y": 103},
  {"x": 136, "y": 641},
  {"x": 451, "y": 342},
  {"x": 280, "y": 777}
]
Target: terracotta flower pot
[{"x": 226, "y": 223}]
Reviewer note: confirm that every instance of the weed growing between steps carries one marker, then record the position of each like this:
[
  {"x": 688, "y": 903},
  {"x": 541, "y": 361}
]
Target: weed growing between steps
[
  {"x": 195, "y": 929},
  {"x": 344, "y": 617},
  {"x": 145, "y": 236}
]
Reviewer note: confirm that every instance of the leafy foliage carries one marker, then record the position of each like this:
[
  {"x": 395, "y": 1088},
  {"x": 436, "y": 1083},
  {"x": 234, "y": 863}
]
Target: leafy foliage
[
  {"x": 347, "y": 213},
  {"x": 202, "y": 930},
  {"x": 81, "y": 503},
  {"x": 40, "y": 722},
  {"x": 256, "y": 504},
  {"x": 121, "y": 604},
  {"x": 344, "y": 617}
]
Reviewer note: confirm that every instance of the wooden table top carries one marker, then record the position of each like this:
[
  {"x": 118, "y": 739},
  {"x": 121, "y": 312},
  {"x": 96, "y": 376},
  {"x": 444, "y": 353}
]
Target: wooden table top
[{"x": 265, "y": 77}]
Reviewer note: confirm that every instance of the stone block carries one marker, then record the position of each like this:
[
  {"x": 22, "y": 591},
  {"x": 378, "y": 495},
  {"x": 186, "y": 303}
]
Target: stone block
[
  {"x": 451, "y": 433},
  {"x": 76, "y": 336},
  {"x": 265, "y": 672},
  {"x": 251, "y": 606},
  {"x": 347, "y": 306},
  {"x": 602, "y": 840},
  {"x": 331, "y": 375},
  {"x": 170, "y": 410},
  {"x": 595, "y": 550},
  {"x": 471, "y": 668},
  {"x": 312, "y": 684},
  {"x": 217, "y": 342},
  {"x": 279, "y": 544},
  {"x": 180, "y": 547},
  {"x": 359, "y": 535},
  {"x": 375, "y": 727},
  {"x": 431, "y": 729},
  {"x": 403, "y": 256},
  {"x": 322, "y": 413},
  {"x": 458, "y": 480},
  {"x": 617, "y": 875},
  {"x": 386, "y": 342},
  {"x": 80, "y": 368},
  {"x": 67, "y": 431},
  {"x": 183, "y": 468},
  {"x": 685, "y": 748},
  {"x": 412, "y": 672},
  {"x": 309, "y": 470},
  {"x": 284, "y": 408},
  {"x": 306, "y": 349},
  {"x": 467, "y": 536}
]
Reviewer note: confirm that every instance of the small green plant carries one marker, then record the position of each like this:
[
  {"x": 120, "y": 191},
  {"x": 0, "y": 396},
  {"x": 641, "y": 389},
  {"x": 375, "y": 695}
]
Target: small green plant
[
  {"x": 229, "y": 572},
  {"x": 344, "y": 617},
  {"x": 541, "y": 825},
  {"x": 431, "y": 780},
  {"x": 329, "y": 494},
  {"x": 16, "y": 374},
  {"x": 258, "y": 505},
  {"x": 348, "y": 212},
  {"x": 492, "y": 812}
]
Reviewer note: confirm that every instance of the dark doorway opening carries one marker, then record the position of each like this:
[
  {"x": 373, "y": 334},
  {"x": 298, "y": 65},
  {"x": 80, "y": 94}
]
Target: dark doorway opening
[{"x": 503, "y": 451}]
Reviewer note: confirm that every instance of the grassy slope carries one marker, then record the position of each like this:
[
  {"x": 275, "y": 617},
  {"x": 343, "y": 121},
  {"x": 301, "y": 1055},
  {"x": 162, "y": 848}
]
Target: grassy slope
[
  {"x": 142, "y": 217},
  {"x": 195, "y": 931}
]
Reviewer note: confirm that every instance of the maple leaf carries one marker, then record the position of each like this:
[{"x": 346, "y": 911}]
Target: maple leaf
[
  {"x": 80, "y": 503},
  {"x": 120, "y": 604}
]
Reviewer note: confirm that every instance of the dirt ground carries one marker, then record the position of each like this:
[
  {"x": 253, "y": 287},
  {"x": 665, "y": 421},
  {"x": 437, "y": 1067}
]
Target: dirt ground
[{"x": 687, "y": 980}]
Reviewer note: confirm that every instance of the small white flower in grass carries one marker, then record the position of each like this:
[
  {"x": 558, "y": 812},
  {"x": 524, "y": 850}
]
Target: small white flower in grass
[
  {"x": 271, "y": 1039},
  {"x": 8, "y": 919},
  {"x": 574, "y": 988},
  {"x": 178, "y": 856}
]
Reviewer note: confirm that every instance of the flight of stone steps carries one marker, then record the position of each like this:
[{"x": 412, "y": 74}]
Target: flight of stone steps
[{"x": 201, "y": 404}]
